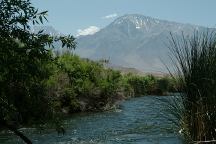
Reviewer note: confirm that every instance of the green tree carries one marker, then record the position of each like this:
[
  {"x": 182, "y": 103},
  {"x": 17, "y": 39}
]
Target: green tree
[{"x": 24, "y": 64}]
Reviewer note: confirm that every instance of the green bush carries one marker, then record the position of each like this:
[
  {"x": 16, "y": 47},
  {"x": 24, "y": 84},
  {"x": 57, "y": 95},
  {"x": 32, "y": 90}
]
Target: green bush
[
  {"x": 79, "y": 84},
  {"x": 195, "y": 69},
  {"x": 150, "y": 85}
]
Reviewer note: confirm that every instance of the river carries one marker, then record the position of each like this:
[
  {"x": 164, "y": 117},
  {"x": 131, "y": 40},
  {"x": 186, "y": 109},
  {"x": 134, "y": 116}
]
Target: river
[{"x": 137, "y": 121}]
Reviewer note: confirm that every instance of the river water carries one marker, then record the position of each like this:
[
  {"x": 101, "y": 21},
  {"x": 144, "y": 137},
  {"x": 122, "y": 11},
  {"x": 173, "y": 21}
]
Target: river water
[{"x": 139, "y": 120}]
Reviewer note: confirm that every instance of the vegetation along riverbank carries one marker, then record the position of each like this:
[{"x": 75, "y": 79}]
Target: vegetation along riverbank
[{"x": 38, "y": 86}]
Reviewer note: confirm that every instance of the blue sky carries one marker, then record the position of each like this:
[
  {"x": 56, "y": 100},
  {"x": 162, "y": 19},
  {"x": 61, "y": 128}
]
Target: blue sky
[{"x": 79, "y": 17}]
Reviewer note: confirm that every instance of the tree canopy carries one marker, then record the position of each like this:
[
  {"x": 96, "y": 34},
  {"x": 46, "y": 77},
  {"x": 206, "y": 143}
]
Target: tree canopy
[{"x": 24, "y": 62}]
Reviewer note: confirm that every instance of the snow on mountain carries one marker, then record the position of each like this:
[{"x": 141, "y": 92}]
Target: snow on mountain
[{"x": 134, "y": 41}]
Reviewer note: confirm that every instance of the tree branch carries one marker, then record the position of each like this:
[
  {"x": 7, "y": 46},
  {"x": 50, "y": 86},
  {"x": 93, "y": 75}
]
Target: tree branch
[{"x": 16, "y": 132}]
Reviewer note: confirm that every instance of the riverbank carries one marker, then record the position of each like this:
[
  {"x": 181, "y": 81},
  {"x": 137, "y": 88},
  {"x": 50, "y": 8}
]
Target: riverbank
[
  {"x": 70, "y": 85},
  {"x": 80, "y": 85}
]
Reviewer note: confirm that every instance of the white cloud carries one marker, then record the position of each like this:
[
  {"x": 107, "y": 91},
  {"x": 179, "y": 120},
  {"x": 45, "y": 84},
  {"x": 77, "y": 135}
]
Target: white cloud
[
  {"x": 87, "y": 31},
  {"x": 110, "y": 16}
]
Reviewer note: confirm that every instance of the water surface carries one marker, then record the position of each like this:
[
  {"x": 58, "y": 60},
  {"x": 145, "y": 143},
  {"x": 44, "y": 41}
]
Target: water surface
[{"x": 137, "y": 121}]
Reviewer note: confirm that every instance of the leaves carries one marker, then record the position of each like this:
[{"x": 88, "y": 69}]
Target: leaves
[
  {"x": 195, "y": 59},
  {"x": 25, "y": 61}
]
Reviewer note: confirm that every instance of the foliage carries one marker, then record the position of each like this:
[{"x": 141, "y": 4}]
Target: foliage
[
  {"x": 150, "y": 85},
  {"x": 37, "y": 86},
  {"x": 84, "y": 85},
  {"x": 24, "y": 64},
  {"x": 196, "y": 67}
]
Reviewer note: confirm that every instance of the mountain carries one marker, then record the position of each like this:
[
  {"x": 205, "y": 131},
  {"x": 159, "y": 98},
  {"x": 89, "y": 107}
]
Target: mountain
[
  {"x": 46, "y": 30},
  {"x": 53, "y": 32},
  {"x": 134, "y": 41}
]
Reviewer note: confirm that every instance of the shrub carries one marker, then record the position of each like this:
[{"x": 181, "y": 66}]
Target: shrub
[{"x": 195, "y": 70}]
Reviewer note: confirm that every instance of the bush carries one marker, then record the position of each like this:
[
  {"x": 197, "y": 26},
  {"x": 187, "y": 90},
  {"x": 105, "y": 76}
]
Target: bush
[
  {"x": 195, "y": 70},
  {"x": 150, "y": 85},
  {"x": 83, "y": 85}
]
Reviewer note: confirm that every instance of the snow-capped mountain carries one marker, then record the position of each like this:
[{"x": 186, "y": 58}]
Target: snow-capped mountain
[{"x": 134, "y": 41}]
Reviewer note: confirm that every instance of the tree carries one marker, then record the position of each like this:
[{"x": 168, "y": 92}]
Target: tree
[{"x": 24, "y": 64}]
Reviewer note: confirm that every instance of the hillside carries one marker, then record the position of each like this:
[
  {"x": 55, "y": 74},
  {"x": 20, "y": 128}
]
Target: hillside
[{"x": 134, "y": 41}]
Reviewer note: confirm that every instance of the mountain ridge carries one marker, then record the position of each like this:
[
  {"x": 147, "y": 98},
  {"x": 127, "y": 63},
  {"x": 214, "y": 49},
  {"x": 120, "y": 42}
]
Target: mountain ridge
[{"x": 134, "y": 40}]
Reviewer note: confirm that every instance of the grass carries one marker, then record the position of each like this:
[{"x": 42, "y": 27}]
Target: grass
[{"x": 195, "y": 70}]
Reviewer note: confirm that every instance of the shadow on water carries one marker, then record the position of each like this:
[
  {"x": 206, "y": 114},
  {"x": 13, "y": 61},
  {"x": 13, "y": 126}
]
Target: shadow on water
[{"x": 138, "y": 121}]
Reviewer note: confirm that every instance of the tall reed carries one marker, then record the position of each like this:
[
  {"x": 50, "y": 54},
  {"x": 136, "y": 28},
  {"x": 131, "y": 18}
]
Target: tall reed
[{"x": 195, "y": 70}]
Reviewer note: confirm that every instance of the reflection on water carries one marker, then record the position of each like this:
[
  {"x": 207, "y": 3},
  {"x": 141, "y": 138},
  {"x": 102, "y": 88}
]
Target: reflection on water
[{"x": 137, "y": 121}]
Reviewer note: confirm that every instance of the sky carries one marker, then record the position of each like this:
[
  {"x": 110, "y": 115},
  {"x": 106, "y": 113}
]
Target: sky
[{"x": 83, "y": 17}]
